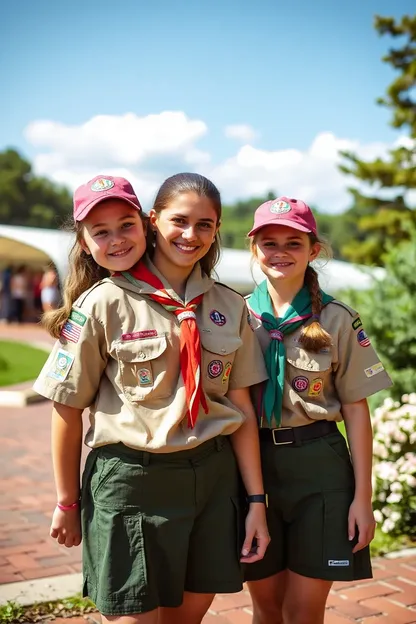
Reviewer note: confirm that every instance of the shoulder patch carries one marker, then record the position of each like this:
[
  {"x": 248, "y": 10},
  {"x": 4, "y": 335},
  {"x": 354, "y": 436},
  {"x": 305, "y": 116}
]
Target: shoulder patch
[
  {"x": 351, "y": 311},
  {"x": 229, "y": 288}
]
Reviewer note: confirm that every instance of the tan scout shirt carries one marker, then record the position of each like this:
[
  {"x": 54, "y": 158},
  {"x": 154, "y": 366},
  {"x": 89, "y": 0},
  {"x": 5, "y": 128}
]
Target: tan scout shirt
[
  {"x": 317, "y": 384},
  {"x": 119, "y": 355}
]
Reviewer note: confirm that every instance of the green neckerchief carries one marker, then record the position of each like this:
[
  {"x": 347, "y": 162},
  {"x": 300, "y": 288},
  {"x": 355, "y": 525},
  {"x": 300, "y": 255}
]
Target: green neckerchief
[{"x": 299, "y": 311}]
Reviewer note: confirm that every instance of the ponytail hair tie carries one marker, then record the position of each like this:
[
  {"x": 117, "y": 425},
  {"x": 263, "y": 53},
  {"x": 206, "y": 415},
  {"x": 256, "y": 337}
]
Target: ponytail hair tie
[{"x": 315, "y": 317}]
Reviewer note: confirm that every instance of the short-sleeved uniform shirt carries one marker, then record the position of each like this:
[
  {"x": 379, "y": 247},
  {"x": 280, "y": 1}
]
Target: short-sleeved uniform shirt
[
  {"x": 317, "y": 384},
  {"x": 119, "y": 355}
]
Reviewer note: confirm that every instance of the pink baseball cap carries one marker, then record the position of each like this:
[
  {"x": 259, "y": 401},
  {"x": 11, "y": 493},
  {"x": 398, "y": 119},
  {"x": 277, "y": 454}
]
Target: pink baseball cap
[
  {"x": 100, "y": 188},
  {"x": 284, "y": 211}
]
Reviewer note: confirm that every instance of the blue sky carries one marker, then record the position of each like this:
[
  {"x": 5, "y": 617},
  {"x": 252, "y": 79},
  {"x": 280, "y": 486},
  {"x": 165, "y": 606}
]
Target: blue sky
[{"x": 290, "y": 71}]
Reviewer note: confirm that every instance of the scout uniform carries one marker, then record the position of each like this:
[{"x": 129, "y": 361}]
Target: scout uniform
[
  {"x": 307, "y": 469},
  {"x": 159, "y": 497}
]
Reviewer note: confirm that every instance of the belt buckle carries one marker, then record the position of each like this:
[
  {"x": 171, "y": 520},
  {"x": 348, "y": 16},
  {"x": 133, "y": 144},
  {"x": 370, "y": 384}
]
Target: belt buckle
[{"x": 274, "y": 436}]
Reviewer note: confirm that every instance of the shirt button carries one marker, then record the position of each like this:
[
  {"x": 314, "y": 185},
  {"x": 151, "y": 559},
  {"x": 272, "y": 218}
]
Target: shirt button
[{"x": 222, "y": 350}]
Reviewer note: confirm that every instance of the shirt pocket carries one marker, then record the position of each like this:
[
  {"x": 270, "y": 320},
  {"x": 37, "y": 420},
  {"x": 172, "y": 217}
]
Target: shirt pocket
[
  {"x": 308, "y": 373},
  {"x": 218, "y": 355},
  {"x": 143, "y": 369}
]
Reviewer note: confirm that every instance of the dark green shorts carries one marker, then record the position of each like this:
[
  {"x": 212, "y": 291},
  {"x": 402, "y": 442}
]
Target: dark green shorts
[
  {"x": 156, "y": 525},
  {"x": 310, "y": 490}
]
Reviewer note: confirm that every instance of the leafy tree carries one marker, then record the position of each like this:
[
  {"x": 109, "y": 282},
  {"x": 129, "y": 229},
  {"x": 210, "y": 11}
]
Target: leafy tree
[
  {"x": 389, "y": 315},
  {"x": 26, "y": 199},
  {"x": 381, "y": 220}
]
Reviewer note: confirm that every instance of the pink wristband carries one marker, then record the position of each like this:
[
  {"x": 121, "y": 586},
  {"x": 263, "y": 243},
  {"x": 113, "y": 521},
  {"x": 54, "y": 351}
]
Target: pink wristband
[{"x": 67, "y": 507}]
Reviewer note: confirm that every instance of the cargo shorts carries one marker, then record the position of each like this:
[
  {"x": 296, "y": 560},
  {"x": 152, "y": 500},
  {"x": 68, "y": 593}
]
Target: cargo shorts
[
  {"x": 156, "y": 525},
  {"x": 310, "y": 489}
]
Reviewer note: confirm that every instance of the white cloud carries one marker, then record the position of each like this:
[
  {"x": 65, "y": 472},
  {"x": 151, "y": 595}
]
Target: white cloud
[
  {"x": 241, "y": 132},
  {"x": 148, "y": 149}
]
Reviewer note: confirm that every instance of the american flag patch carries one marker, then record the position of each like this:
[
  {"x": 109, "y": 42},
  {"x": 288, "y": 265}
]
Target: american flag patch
[{"x": 70, "y": 331}]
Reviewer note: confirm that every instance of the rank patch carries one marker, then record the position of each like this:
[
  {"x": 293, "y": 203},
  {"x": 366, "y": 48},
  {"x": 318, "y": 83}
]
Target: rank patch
[
  {"x": 215, "y": 368},
  {"x": 145, "y": 376},
  {"x": 71, "y": 331},
  {"x": 357, "y": 323},
  {"x": 61, "y": 366},
  {"x": 300, "y": 384},
  {"x": 78, "y": 318},
  {"x": 316, "y": 387},
  {"x": 363, "y": 339},
  {"x": 102, "y": 184},
  {"x": 227, "y": 371},
  {"x": 374, "y": 370},
  {"x": 280, "y": 207},
  {"x": 217, "y": 318}
]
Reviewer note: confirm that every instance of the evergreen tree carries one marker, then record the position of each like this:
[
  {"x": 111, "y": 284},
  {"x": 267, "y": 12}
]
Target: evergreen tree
[{"x": 381, "y": 220}]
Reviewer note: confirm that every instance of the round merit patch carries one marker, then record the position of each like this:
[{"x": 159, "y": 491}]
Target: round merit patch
[
  {"x": 300, "y": 384},
  {"x": 217, "y": 318},
  {"x": 215, "y": 368},
  {"x": 102, "y": 184},
  {"x": 363, "y": 339},
  {"x": 280, "y": 207}
]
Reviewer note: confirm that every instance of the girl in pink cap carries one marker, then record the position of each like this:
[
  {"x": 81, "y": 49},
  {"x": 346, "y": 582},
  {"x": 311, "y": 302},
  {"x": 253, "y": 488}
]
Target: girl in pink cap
[{"x": 321, "y": 368}]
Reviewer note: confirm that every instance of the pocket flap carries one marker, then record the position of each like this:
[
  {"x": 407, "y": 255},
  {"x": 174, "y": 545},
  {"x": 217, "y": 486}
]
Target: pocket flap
[
  {"x": 305, "y": 360},
  {"x": 141, "y": 350},
  {"x": 221, "y": 345}
]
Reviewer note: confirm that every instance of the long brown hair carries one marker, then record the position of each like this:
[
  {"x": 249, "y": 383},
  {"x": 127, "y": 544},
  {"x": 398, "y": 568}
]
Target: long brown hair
[
  {"x": 313, "y": 336},
  {"x": 190, "y": 183},
  {"x": 83, "y": 272}
]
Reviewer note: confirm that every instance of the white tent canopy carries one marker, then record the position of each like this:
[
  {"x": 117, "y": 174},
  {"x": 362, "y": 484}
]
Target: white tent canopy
[{"x": 22, "y": 245}]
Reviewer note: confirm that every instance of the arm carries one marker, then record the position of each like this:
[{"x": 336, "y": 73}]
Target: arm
[
  {"x": 360, "y": 440},
  {"x": 66, "y": 457},
  {"x": 245, "y": 442}
]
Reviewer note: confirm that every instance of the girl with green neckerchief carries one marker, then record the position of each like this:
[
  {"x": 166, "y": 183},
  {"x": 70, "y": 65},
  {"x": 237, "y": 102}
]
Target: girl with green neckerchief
[{"x": 321, "y": 367}]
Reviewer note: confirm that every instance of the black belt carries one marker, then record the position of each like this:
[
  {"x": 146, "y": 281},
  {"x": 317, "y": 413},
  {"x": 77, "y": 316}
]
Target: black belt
[{"x": 297, "y": 435}]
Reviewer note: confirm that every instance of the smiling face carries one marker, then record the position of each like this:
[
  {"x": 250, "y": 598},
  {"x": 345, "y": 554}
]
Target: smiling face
[
  {"x": 113, "y": 234},
  {"x": 185, "y": 230},
  {"x": 283, "y": 253}
]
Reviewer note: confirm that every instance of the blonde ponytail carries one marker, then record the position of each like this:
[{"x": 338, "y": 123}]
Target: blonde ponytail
[{"x": 313, "y": 336}]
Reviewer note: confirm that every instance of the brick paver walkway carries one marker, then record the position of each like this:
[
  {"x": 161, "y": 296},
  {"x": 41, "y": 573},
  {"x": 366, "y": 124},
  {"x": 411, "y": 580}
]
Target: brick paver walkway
[{"x": 26, "y": 551}]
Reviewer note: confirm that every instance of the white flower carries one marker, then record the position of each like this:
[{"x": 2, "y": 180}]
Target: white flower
[
  {"x": 396, "y": 486},
  {"x": 378, "y": 516},
  {"x": 394, "y": 497},
  {"x": 388, "y": 525}
]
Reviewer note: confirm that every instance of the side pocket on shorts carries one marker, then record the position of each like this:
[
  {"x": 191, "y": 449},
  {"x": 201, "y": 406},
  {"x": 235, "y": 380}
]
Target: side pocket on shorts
[
  {"x": 240, "y": 519},
  {"x": 336, "y": 445},
  {"x": 105, "y": 468}
]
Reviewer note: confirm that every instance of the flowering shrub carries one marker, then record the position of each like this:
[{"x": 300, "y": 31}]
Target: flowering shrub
[{"x": 394, "y": 471}]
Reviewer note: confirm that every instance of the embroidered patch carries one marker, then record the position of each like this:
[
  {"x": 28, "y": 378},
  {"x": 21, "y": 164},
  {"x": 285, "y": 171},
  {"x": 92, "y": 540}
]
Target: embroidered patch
[
  {"x": 280, "y": 207},
  {"x": 146, "y": 333},
  {"x": 215, "y": 368},
  {"x": 145, "y": 376},
  {"x": 61, "y": 366},
  {"x": 71, "y": 331},
  {"x": 102, "y": 184},
  {"x": 300, "y": 384},
  {"x": 316, "y": 387},
  {"x": 357, "y": 323},
  {"x": 78, "y": 318},
  {"x": 227, "y": 371},
  {"x": 363, "y": 339},
  {"x": 338, "y": 562},
  {"x": 374, "y": 370},
  {"x": 217, "y": 318}
]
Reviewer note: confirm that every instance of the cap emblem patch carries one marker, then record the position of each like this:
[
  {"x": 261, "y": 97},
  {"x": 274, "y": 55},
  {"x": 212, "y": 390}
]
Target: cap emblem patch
[
  {"x": 102, "y": 184},
  {"x": 280, "y": 207}
]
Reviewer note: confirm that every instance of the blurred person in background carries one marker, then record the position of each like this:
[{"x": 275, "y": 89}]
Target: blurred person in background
[
  {"x": 19, "y": 294},
  {"x": 5, "y": 293},
  {"x": 49, "y": 289}
]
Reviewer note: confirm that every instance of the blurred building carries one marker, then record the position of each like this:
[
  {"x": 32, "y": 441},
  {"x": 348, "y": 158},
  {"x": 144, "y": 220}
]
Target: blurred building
[{"x": 35, "y": 247}]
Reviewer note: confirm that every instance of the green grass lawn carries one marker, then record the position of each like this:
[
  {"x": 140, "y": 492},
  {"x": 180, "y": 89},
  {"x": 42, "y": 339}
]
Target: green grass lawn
[{"x": 19, "y": 362}]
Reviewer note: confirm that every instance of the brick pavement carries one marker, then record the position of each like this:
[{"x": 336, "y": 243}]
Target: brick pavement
[{"x": 27, "y": 552}]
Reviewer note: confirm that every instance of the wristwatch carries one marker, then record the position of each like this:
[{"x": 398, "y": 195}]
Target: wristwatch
[{"x": 257, "y": 498}]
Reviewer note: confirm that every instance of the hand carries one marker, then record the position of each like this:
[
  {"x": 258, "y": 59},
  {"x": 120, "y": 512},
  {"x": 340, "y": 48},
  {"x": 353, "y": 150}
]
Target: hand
[
  {"x": 66, "y": 527},
  {"x": 256, "y": 529},
  {"x": 361, "y": 517}
]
